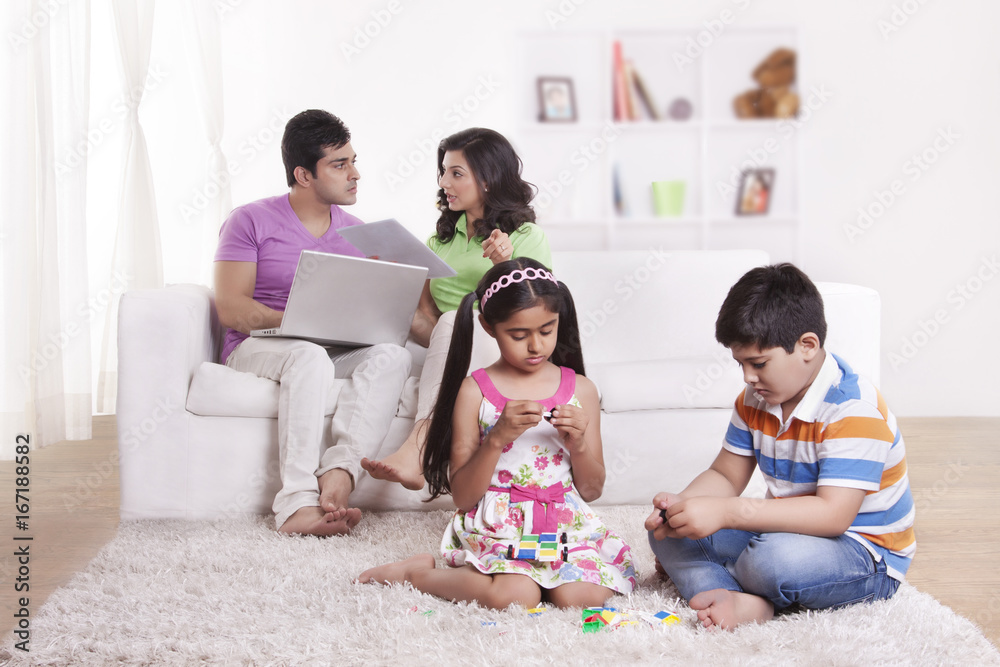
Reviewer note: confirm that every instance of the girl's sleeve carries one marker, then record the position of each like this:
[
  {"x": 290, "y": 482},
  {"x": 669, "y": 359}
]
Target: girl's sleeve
[{"x": 529, "y": 240}]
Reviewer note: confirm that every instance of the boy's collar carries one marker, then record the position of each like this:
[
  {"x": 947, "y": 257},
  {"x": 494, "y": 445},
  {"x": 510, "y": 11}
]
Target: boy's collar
[{"x": 808, "y": 407}]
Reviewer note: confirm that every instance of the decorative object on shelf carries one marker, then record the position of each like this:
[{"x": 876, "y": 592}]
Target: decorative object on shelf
[
  {"x": 621, "y": 206},
  {"x": 556, "y": 101},
  {"x": 775, "y": 98},
  {"x": 668, "y": 198},
  {"x": 680, "y": 109},
  {"x": 754, "y": 196}
]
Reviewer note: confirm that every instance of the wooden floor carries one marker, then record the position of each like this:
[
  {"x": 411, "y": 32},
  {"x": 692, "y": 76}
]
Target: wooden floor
[{"x": 954, "y": 467}]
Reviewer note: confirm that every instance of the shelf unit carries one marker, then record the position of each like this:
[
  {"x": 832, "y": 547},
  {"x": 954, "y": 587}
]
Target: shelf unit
[{"x": 573, "y": 163}]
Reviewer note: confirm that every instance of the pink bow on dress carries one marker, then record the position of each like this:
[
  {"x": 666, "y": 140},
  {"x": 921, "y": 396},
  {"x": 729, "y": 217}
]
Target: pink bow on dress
[{"x": 544, "y": 518}]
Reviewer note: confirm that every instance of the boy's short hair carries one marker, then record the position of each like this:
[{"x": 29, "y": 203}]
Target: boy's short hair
[
  {"x": 306, "y": 136},
  {"x": 771, "y": 306}
]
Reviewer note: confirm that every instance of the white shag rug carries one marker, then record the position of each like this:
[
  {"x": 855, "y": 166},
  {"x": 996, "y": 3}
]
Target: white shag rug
[{"x": 236, "y": 592}]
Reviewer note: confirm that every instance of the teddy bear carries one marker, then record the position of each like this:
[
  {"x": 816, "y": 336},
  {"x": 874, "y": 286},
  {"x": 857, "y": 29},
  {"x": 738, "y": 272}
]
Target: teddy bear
[{"x": 775, "y": 97}]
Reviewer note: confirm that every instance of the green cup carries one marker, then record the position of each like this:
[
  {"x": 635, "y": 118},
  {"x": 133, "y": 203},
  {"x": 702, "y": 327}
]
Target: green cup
[{"x": 668, "y": 198}]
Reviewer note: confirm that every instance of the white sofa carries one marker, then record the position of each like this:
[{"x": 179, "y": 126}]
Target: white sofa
[{"x": 199, "y": 440}]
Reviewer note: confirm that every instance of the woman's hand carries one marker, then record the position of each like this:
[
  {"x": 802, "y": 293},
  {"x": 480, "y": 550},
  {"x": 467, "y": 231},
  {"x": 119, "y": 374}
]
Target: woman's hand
[
  {"x": 516, "y": 418},
  {"x": 571, "y": 422},
  {"x": 497, "y": 247}
]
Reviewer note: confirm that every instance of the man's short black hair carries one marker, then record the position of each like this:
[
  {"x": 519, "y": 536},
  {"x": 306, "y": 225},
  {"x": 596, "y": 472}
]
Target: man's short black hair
[
  {"x": 771, "y": 306},
  {"x": 307, "y": 136}
]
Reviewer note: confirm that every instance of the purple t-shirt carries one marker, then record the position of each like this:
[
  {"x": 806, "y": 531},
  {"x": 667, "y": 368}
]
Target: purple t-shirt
[{"x": 269, "y": 233}]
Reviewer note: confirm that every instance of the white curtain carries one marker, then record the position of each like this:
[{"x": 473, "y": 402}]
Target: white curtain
[
  {"x": 203, "y": 37},
  {"x": 137, "y": 261},
  {"x": 43, "y": 183}
]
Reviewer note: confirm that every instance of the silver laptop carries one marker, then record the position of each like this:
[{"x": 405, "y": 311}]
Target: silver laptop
[{"x": 350, "y": 301}]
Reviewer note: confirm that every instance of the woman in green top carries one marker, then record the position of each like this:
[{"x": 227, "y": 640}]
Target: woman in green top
[{"x": 486, "y": 218}]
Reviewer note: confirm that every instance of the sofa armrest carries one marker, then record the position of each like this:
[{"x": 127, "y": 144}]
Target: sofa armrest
[{"x": 164, "y": 335}]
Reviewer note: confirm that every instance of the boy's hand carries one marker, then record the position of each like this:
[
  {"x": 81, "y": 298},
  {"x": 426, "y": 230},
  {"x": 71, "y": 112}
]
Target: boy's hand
[
  {"x": 655, "y": 522},
  {"x": 700, "y": 517},
  {"x": 516, "y": 418},
  {"x": 571, "y": 422}
]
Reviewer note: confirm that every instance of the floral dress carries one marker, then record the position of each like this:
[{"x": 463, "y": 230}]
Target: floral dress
[{"x": 532, "y": 492}]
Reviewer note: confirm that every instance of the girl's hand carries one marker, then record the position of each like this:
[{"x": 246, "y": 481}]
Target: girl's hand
[
  {"x": 516, "y": 418},
  {"x": 497, "y": 247},
  {"x": 571, "y": 422}
]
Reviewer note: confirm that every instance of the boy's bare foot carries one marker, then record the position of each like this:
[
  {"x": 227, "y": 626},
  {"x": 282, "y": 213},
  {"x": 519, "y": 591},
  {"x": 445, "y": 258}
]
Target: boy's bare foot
[
  {"x": 727, "y": 609},
  {"x": 314, "y": 521},
  {"x": 397, "y": 573},
  {"x": 403, "y": 465}
]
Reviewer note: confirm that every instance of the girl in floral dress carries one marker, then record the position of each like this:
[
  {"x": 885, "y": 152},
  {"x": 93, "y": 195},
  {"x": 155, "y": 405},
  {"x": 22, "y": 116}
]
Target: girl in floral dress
[{"x": 518, "y": 446}]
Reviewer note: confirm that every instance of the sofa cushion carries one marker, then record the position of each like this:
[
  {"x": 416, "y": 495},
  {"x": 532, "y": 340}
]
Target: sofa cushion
[
  {"x": 663, "y": 384},
  {"x": 220, "y": 391}
]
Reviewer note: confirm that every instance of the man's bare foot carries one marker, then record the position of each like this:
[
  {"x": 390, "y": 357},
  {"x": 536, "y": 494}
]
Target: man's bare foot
[
  {"x": 397, "y": 573},
  {"x": 314, "y": 521},
  {"x": 335, "y": 488},
  {"x": 403, "y": 465},
  {"x": 727, "y": 609}
]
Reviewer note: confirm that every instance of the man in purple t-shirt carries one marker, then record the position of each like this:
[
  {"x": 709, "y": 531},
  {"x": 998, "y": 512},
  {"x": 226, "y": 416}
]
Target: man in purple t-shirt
[{"x": 259, "y": 247}]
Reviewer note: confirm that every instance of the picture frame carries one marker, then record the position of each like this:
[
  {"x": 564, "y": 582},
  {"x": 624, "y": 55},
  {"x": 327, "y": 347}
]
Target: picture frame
[
  {"x": 556, "y": 99},
  {"x": 754, "y": 194}
]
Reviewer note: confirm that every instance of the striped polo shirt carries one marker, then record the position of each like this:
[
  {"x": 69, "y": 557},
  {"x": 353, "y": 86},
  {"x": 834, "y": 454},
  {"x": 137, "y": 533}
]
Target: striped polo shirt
[{"x": 840, "y": 434}]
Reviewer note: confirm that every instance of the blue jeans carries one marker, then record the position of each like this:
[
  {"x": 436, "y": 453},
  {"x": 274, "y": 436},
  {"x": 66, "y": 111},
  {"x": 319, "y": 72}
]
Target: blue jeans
[{"x": 785, "y": 568}]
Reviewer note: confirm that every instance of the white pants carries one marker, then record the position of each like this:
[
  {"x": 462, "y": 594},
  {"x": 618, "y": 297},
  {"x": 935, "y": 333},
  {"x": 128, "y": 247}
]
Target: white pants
[
  {"x": 305, "y": 373},
  {"x": 484, "y": 353}
]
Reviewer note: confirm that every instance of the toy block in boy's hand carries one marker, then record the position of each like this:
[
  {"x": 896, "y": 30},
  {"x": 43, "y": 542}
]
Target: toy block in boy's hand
[{"x": 542, "y": 547}]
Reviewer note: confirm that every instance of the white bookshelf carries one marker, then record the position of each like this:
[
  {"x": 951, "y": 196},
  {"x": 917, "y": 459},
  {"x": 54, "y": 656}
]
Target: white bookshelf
[{"x": 702, "y": 151}]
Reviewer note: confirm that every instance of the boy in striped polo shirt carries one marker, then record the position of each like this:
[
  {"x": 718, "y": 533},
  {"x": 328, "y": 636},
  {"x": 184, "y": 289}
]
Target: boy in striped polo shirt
[{"x": 836, "y": 526}]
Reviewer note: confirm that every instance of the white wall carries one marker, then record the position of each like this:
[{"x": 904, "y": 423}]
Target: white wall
[{"x": 890, "y": 97}]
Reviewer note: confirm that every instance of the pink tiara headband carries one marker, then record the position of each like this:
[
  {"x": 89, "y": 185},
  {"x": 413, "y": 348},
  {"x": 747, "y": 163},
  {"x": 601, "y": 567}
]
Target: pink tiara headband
[{"x": 516, "y": 276}]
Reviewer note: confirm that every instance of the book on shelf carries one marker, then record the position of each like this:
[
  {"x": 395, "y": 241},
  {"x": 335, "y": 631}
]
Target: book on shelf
[
  {"x": 620, "y": 83},
  {"x": 631, "y": 94},
  {"x": 642, "y": 92}
]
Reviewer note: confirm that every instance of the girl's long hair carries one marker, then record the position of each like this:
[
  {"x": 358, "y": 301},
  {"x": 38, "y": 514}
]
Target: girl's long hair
[
  {"x": 496, "y": 169},
  {"x": 499, "y": 308}
]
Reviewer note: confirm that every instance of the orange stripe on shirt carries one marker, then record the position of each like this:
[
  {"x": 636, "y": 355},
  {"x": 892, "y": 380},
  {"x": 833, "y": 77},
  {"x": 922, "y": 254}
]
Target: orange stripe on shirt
[
  {"x": 860, "y": 427},
  {"x": 892, "y": 541},
  {"x": 893, "y": 474},
  {"x": 758, "y": 420}
]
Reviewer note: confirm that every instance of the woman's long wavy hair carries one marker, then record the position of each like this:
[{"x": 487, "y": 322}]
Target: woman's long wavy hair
[
  {"x": 499, "y": 308},
  {"x": 496, "y": 169}
]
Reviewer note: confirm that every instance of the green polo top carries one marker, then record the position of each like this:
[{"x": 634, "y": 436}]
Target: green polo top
[{"x": 466, "y": 257}]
